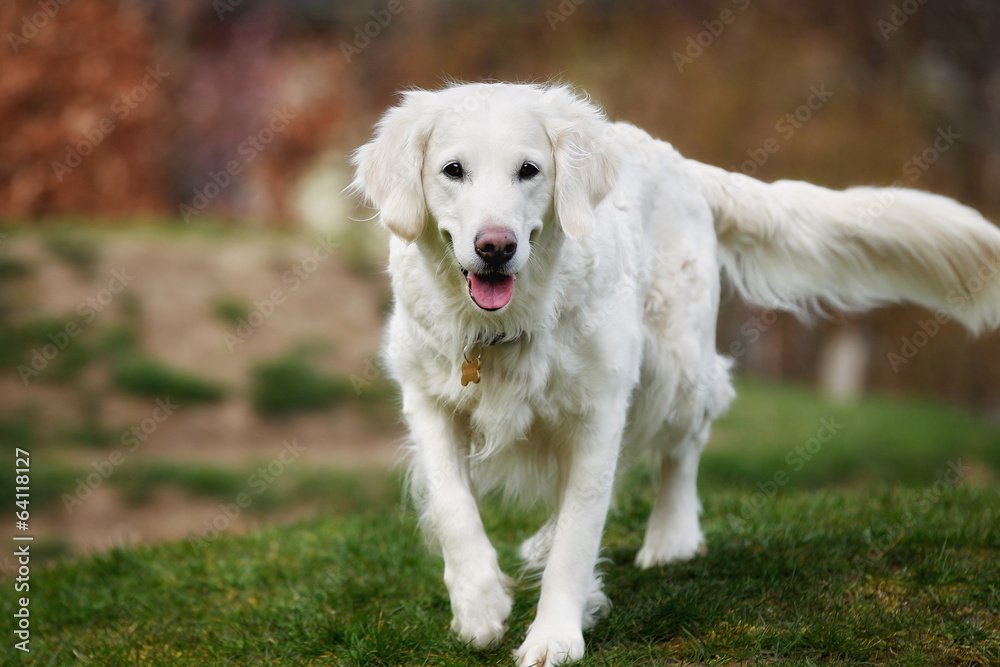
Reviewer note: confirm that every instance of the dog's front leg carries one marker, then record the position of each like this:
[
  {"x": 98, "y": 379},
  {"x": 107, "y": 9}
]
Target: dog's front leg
[
  {"x": 450, "y": 518},
  {"x": 571, "y": 595}
]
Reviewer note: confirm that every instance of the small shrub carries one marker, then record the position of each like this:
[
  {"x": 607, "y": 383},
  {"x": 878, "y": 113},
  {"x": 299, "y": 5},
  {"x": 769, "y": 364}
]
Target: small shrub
[
  {"x": 82, "y": 255},
  {"x": 19, "y": 430},
  {"x": 290, "y": 384},
  {"x": 230, "y": 309},
  {"x": 148, "y": 377},
  {"x": 21, "y": 344},
  {"x": 120, "y": 341},
  {"x": 138, "y": 484},
  {"x": 13, "y": 269}
]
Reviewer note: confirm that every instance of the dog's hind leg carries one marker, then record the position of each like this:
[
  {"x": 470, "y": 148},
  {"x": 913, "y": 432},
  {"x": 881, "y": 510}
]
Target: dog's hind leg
[
  {"x": 673, "y": 533},
  {"x": 534, "y": 551}
]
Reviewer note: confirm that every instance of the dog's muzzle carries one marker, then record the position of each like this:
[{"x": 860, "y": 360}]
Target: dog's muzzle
[{"x": 495, "y": 247}]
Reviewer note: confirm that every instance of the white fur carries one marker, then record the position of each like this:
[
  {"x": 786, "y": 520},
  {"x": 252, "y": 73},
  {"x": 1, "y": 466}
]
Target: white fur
[{"x": 606, "y": 351}]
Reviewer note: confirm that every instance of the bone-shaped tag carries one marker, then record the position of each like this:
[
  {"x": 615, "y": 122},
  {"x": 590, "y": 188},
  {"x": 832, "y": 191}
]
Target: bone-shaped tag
[{"x": 470, "y": 371}]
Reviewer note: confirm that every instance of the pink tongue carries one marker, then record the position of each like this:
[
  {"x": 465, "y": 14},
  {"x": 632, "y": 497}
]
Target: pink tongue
[{"x": 491, "y": 291}]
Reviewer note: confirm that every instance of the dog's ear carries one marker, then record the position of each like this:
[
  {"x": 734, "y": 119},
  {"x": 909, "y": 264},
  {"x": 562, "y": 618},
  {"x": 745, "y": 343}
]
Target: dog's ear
[
  {"x": 585, "y": 165},
  {"x": 388, "y": 168}
]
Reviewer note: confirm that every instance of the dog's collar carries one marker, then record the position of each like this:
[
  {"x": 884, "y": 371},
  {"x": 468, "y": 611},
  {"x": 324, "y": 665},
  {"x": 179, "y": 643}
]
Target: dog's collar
[
  {"x": 483, "y": 341},
  {"x": 472, "y": 356}
]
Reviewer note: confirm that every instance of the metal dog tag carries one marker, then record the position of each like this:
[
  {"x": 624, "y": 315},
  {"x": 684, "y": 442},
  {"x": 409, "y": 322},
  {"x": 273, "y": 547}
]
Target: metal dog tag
[
  {"x": 470, "y": 371},
  {"x": 471, "y": 366}
]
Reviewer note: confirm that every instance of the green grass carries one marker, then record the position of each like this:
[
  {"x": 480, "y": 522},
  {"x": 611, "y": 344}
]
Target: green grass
[
  {"x": 885, "y": 565},
  {"x": 43, "y": 344},
  {"x": 881, "y": 439},
  {"x": 19, "y": 430},
  {"x": 230, "y": 309},
  {"x": 798, "y": 585},
  {"x": 13, "y": 269},
  {"x": 292, "y": 384},
  {"x": 147, "y": 377},
  {"x": 270, "y": 491},
  {"x": 48, "y": 482},
  {"x": 79, "y": 251}
]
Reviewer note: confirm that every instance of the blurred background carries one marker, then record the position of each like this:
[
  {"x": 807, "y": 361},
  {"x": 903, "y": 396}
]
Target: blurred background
[{"x": 190, "y": 310}]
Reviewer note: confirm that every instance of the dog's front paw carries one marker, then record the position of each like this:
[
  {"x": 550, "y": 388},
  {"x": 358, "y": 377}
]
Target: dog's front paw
[
  {"x": 545, "y": 648},
  {"x": 480, "y": 610}
]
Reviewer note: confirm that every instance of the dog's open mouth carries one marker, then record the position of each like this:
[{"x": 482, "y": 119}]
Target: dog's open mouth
[{"x": 490, "y": 291}]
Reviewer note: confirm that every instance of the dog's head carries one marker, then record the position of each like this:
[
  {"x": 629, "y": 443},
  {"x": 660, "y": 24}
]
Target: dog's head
[{"x": 486, "y": 167}]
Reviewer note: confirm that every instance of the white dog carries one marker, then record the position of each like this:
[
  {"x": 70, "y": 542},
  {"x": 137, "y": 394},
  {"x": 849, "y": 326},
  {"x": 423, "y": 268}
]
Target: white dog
[{"x": 556, "y": 282}]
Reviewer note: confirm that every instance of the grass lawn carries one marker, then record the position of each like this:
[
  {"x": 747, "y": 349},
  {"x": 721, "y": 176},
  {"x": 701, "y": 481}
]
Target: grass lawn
[{"x": 866, "y": 552}]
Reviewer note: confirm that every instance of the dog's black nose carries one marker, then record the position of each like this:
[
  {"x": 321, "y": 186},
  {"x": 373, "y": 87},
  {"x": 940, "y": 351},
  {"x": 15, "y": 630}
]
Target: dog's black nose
[{"x": 496, "y": 245}]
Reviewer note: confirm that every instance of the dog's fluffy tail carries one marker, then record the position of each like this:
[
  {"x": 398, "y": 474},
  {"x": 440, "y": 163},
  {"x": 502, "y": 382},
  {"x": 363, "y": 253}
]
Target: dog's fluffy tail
[{"x": 800, "y": 247}]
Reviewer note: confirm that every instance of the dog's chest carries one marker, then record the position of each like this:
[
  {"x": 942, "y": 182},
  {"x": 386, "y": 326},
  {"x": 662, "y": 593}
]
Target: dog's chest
[{"x": 526, "y": 388}]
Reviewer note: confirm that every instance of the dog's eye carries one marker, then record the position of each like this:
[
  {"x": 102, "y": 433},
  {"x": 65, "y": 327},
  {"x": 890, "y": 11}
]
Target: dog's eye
[
  {"x": 527, "y": 171},
  {"x": 454, "y": 170}
]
